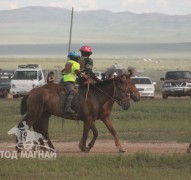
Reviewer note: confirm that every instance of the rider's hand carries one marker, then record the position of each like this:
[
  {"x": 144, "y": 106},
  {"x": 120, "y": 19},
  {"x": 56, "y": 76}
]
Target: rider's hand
[
  {"x": 85, "y": 76},
  {"x": 62, "y": 72}
]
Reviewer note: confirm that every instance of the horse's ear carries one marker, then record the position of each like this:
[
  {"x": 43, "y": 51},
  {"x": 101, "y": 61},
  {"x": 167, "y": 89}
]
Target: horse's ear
[
  {"x": 127, "y": 75},
  {"x": 130, "y": 74},
  {"x": 119, "y": 78},
  {"x": 122, "y": 77}
]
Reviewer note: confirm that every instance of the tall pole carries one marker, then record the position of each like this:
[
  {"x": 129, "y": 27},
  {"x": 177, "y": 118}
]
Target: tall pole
[{"x": 69, "y": 46}]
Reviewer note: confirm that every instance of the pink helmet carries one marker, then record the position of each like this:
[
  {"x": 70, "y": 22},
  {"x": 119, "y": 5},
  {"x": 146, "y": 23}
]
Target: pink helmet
[{"x": 86, "y": 49}]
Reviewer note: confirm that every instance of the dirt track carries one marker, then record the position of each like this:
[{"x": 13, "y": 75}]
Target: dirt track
[{"x": 108, "y": 147}]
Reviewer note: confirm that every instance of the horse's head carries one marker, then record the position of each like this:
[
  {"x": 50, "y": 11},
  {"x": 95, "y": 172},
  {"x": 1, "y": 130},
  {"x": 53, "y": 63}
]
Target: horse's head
[{"x": 125, "y": 90}]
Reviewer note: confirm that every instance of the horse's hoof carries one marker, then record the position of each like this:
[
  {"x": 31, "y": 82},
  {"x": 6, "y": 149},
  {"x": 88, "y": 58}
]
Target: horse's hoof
[
  {"x": 53, "y": 150},
  {"x": 90, "y": 145},
  {"x": 34, "y": 148},
  {"x": 85, "y": 149},
  {"x": 189, "y": 150},
  {"x": 80, "y": 146},
  {"x": 44, "y": 149},
  {"x": 18, "y": 151},
  {"x": 122, "y": 150}
]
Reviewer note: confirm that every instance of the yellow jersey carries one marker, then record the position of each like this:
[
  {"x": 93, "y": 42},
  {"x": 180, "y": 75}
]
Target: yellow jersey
[{"x": 71, "y": 75}]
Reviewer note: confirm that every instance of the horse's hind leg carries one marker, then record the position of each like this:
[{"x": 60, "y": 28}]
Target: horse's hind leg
[
  {"x": 44, "y": 131},
  {"x": 37, "y": 126},
  {"x": 108, "y": 123}
]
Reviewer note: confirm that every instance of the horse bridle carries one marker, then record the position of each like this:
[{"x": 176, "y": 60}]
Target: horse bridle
[
  {"x": 118, "y": 98},
  {"x": 128, "y": 91}
]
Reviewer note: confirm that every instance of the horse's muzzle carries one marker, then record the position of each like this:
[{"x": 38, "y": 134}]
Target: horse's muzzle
[
  {"x": 125, "y": 105},
  {"x": 136, "y": 98}
]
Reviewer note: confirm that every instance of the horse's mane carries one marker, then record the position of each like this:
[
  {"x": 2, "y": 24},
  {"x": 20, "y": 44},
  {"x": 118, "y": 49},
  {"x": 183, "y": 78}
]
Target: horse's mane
[
  {"x": 98, "y": 84},
  {"x": 105, "y": 82}
]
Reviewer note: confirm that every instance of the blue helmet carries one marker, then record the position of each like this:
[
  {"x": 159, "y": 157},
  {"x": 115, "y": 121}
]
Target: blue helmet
[{"x": 73, "y": 54}]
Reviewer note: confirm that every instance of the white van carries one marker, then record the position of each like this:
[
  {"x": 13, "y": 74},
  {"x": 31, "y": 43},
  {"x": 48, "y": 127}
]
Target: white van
[{"x": 25, "y": 78}]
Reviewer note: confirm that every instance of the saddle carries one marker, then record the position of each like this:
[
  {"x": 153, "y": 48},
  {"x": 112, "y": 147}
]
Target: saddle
[{"x": 75, "y": 101}]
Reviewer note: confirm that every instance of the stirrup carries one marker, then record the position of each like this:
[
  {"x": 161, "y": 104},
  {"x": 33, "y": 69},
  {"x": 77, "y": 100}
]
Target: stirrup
[{"x": 69, "y": 110}]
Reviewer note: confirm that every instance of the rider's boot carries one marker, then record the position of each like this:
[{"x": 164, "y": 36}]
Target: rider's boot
[{"x": 68, "y": 108}]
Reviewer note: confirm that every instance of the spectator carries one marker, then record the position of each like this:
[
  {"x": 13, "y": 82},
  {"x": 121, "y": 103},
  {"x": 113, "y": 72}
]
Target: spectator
[{"x": 50, "y": 77}]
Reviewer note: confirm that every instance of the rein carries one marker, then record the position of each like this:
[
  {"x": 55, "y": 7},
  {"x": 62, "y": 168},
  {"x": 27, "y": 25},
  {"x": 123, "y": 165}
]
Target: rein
[
  {"x": 120, "y": 101},
  {"x": 106, "y": 93},
  {"x": 132, "y": 93},
  {"x": 126, "y": 92},
  {"x": 87, "y": 91}
]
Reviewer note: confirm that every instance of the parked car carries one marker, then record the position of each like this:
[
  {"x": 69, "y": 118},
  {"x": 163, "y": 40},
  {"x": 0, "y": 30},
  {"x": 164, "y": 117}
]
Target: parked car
[
  {"x": 176, "y": 83},
  {"x": 145, "y": 86},
  {"x": 5, "y": 83},
  {"x": 25, "y": 78},
  {"x": 98, "y": 74}
]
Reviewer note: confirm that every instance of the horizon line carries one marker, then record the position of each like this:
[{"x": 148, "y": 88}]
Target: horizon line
[{"x": 122, "y": 11}]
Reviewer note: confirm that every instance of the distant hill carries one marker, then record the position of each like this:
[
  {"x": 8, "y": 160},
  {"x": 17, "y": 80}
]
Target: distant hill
[{"x": 51, "y": 25}]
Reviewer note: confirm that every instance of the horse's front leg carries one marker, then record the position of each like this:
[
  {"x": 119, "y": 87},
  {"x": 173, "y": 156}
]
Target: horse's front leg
[
  {"x": 95, "y": 135},
  {"x": 108, "y": 123},
  {"x": 86, "y": 129}
]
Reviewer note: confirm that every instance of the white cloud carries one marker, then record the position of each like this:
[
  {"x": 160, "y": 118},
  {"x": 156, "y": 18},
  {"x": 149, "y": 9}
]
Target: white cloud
[
  {"x": 137, "y": 6},
  {"x": 14, "y": 5},
  {"x": 129, "y": 2},
  {"x": 8, "y": 5},
  {"x": 77, "y": 4},
  {"x": 56, "y": 4},
  {"x": 140, "y": 6},
  {"x": 162, "y": 3}
]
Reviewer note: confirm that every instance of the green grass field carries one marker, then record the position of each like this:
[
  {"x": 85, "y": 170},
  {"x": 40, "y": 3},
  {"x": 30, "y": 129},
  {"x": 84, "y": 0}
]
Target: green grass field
[
  {"x": 134, "y": 167},
  {"x": 147, "y": 120}
]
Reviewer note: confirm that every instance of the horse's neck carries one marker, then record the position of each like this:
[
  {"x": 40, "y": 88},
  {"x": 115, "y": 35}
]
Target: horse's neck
[{"x": 104, "y": 92}]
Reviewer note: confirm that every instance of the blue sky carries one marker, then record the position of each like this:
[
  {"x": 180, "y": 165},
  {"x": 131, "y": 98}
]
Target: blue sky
[{"x": 137, "y": 6}]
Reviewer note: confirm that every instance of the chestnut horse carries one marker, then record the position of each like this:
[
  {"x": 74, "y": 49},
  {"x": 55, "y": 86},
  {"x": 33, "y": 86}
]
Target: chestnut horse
[{"x": 95, "y": 102}]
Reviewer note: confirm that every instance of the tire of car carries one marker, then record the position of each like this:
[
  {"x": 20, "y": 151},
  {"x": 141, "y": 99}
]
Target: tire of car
[
  {"x": 15, "y": 96},
  {"x": 164, "y": 96}
]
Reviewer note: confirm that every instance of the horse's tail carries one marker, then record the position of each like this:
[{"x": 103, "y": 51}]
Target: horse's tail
[{"x": 23, "y": 107}]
